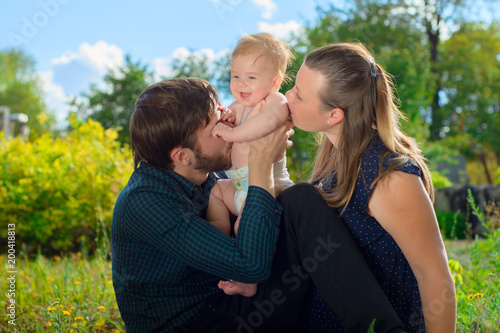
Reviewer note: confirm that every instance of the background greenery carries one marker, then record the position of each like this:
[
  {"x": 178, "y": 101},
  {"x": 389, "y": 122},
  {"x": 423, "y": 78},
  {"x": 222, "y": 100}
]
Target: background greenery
[{"x": 59, "y": 185}]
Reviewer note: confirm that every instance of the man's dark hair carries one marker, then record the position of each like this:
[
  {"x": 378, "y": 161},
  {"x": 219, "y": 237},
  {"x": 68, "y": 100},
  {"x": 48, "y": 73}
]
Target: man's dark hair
[{"x": 167, "y": 115}]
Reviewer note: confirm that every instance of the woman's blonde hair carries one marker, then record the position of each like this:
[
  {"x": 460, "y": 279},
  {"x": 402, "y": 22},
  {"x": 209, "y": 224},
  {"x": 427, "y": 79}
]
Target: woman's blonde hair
[
  {"x": 364, "y": 91},
  {"x": 269, "y": 47}
]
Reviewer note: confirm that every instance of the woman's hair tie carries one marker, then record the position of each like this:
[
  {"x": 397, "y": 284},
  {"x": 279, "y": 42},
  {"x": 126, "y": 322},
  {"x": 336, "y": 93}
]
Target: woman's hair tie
[{"x": 373, "y": 67}]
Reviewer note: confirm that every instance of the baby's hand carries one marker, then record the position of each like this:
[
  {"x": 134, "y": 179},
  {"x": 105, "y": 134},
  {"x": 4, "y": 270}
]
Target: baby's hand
[
  {"x": 226, "y": 114},
  {"x": 223, "y": 131}
]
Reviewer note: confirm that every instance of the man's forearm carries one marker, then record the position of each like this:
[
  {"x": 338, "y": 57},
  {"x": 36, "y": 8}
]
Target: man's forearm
[{"x": 260, "y": 169}]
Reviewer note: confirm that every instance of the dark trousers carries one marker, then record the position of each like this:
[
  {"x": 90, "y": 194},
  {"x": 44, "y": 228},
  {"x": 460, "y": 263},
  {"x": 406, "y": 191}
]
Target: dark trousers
[{"x": 314, "y": 249}]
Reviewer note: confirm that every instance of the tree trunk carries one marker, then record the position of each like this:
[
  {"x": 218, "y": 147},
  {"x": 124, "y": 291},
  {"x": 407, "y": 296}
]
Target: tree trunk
[
  {"x": 486, "y": 171},
  {"x": 433, "y": 35}
]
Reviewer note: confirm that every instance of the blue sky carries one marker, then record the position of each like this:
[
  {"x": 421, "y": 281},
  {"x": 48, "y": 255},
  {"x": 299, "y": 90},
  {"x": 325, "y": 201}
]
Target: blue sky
[{"x": 75, "y": 42}]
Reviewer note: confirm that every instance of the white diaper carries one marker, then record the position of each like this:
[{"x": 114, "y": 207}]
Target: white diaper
[{"x": 240, "y": 181}]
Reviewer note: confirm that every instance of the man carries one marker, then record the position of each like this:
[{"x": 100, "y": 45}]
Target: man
[{"x": 168, "y": 260}]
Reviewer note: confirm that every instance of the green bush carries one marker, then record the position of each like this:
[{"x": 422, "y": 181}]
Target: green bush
[
  {"x": 478, "y": 285},
  {"x": 60, "y": 192},
  {"x": 453, "y": 225},
  {"x": 439, "y": 180}
]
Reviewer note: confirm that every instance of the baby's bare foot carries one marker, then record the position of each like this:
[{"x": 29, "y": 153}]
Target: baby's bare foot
[{"x": 238, "y": 288}]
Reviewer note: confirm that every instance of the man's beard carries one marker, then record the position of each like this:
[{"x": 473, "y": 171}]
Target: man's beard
[{"x": 214, "y": 163}]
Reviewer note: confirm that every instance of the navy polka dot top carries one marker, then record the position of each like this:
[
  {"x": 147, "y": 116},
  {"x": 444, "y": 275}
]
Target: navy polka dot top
[{"x": 379, "y": 249}]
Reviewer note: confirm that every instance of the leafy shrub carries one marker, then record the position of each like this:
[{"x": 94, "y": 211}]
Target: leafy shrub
[
  {"x": 453, "y": 225},
  {"x": 60, "y": 192},
  {"x": 439, "y": 180},
  {"x": 478, "y": 286}
]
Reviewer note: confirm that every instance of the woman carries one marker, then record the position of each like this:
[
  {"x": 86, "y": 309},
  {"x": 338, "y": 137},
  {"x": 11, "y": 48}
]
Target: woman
[{"x": 376, "y": 178}]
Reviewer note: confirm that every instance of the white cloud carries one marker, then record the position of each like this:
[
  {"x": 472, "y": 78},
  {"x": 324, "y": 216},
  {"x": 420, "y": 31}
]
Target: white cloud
[
  {"x": 281, "y": 30},
  {"x": 101, "y": 56},
  {"x": 55, "y": 97},
  {"x": 268, "y": 6},
  {"x": 72, "y": 73}
]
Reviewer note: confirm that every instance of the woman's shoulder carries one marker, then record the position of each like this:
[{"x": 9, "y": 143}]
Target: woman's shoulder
[{"x": 377, "y": 150}]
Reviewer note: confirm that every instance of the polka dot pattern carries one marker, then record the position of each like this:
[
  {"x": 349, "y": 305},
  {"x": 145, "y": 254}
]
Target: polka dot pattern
[{"x": 379, "y": 249}]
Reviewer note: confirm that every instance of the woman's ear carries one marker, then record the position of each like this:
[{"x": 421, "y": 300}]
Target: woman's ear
[
  {"x": 336, "y": 116},
  {"x": 180, "y": 156}
]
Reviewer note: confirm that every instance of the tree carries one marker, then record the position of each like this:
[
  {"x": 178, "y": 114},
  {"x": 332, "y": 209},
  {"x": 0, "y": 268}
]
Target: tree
[
  {"x": 217, "y": 70},
  {"x": 20, "y": 91},
  {"x": 113, "y": 105},
  {"x": 194, "y": 65},
  {"x": 437, "y": 18},
  {"x": 397, "y": 46},
  {"x": 471, "y": 86}
]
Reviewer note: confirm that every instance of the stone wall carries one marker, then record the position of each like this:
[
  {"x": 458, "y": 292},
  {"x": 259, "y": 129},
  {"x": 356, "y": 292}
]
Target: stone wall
[{"x": 454, "y": 199}]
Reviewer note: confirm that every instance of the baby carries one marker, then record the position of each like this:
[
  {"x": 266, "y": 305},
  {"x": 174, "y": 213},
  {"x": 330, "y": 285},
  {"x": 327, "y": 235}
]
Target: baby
[{"x": 258, "y": 67}]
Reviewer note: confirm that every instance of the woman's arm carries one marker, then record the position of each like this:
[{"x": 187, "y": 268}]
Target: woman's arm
[
  {"x": 401, "y": 205},
  {"x": 273, "y": 114}
]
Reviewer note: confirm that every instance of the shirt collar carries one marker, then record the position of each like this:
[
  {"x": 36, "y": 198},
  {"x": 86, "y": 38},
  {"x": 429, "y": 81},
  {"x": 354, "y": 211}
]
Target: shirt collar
[{"x": 188, "y": 186}]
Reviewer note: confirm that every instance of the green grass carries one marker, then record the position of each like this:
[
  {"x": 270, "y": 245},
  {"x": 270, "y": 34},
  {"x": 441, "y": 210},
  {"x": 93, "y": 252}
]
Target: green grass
[
  {"x": 75, "y": 294},
  {"x": 68, "y": 294},
  {"x": 476, "y": 267}
]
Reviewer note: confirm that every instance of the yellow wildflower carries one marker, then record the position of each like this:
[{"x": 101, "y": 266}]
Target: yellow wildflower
[
  {"x": 77, "y": 282},
  {"x": 476, "y": 295},
  {"x": 101, "y": 308},
  {"x": 72, "y": 308},
  {"x": 78, "y": 318},
  {"x": 50, "y": 279},
  {"x": 67, "y": 313},
  {"x": 48, "y": 324},
  {"x": 110, "y": 282},
  {"x": 50, "y": 309}
]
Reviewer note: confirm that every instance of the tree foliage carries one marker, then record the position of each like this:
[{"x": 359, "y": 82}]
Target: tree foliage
[
  {"x": 20, "y": 90},
  {"x": 471, "y": 86},
  {"x": 193, "y": 65},
  {"x": 445, "y": 71},
  {"x": 113, "y": 105}
]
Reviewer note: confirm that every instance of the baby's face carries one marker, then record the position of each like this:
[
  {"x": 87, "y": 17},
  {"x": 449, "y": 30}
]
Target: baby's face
[{"x": 252, "y": 79}]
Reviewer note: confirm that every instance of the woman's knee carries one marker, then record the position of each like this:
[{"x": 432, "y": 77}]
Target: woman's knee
[{"x": 299, "y": 194}]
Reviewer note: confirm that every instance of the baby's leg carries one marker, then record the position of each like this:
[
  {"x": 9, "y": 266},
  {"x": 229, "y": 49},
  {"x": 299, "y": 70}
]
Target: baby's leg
[
  {"x": 227, "y": 191},
  {"x": 233, "y": 287},
  {"x": 217, "y": 211}
]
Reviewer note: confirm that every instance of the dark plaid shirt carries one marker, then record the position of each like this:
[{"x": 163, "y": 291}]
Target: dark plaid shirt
[{"x": 167, "y": 260}]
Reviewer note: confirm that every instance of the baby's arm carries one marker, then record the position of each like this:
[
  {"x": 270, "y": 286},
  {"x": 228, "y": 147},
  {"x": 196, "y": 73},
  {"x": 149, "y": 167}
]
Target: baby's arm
[{"x": 274, "y": 113}]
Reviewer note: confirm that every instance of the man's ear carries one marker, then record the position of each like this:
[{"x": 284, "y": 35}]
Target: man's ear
[
  {"x": 180, "y": 156},
  {"x": 336, "y": 116}
]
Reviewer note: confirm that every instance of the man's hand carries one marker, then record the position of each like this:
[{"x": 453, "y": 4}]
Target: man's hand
[{"x": 273, "y": 144}]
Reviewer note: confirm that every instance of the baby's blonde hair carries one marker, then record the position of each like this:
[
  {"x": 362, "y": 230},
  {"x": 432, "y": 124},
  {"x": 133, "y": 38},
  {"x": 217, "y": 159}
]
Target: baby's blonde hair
[{"x": 268, "y": 46}]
